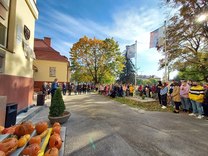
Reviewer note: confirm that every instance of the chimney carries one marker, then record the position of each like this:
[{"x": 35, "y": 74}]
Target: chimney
[{"x": 47, "y": 40}]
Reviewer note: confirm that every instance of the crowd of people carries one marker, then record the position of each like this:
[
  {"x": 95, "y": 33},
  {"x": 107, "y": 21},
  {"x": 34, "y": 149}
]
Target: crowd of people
[
  {"x": 82, "y": 88},
  {"x": 190, "y": 97}
]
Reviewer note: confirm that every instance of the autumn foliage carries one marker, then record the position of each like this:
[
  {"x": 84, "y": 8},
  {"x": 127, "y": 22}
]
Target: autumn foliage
[{"x": 94, "y": 60}]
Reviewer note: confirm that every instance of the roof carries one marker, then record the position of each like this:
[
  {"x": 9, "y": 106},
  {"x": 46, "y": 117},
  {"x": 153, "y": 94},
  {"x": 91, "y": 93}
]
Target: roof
[{"x": 43, "y": 51}]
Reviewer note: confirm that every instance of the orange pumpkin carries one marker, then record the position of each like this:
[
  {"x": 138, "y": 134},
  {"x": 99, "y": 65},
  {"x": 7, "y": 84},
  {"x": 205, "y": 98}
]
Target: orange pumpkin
[
  {"x": 56, "y": 129},
  {"x": 8, "y": 145},
  {"x": 55, "y": 141},
  {"x": 41, "y": 127},
  {"x": 10, "y": 130},
  {"x": 52, "y": 152},
  {"x": 56, "y": 124},
  {"x": 35, "y": 140},
  {"x": 2, "y": 153},
  {"x": 1, "y": 129},
  {"x": 24, "y": 128},
  {"x": 31, "y": 150}
]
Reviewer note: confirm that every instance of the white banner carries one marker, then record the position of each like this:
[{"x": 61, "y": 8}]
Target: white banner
[
  {"x": 131, "y": 51},
  {"x": 157, "y": 38}
]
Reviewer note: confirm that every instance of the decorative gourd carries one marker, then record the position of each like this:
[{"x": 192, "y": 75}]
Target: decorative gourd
[
  {"x": 52, "y": 152},
  {"x": 56, "y": 129},
  {"x": 55, "y": 141},
  {"x": 56, "y": 124},
  {"x": 2, "y": 153},
  {"x": 8, "y": 145},
  {"x": 24, "y": 128},
  {"x": 35, "y": 140},
  {"x": 23, "y": 140},
  {"x": 9, "y": 130},
  {"x": 41, "y": 127},
  {"x": 31, "y": 150},
  {"x": 1, "y": 129},
  {"x": 43, "y": 134}
]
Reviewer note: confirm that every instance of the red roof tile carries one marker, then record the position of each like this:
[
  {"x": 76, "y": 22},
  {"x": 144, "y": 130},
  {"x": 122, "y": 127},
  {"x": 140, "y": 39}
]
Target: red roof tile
[{"x": 45, "y": 52}]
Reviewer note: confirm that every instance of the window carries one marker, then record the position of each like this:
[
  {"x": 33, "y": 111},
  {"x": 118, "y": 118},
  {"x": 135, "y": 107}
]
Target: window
[
  {"x": 52, "y": 71},
  {"x": 5, "y": 3},
  {"x": 1, "y": 63},
  {"x": 2, "y": 35},
  {"x": 4, "y": 12}
]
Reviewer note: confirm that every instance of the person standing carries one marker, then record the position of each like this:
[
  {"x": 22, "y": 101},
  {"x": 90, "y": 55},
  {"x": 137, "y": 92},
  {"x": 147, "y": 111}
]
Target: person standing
[
  {"x": 175, "y": 95},
  {"x": 64, "y": 88},
  {"x": 131, "y": 90},
  {"x": 70, "y": 88},
  {"x": 54, "y": 87},
  {"x": 163, "y": 94},
  {"x": 159, "y": 86},
  {"x": 44, "y": 88},
  {"x": 205, "y": 103},
  {"x": 184, "y": 91},
  {"x": 196, "y": 95}
]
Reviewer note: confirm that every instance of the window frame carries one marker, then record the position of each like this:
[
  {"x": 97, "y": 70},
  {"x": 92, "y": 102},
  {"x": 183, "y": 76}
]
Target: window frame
[
  {"x": 52, "y": 71},
  {"x": 2, "y": 63},
  {"x": 5, "y": 4}
]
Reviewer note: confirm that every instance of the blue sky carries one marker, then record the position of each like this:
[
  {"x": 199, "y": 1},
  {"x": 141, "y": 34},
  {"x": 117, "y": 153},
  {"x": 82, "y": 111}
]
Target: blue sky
[{"x": 65, "y": 21}]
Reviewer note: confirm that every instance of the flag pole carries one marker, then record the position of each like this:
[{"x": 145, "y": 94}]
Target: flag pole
[
  {"x": 135, "y": 62},
  {"x": 166, "y": 56},
  {"x": 135, "y": 74}
]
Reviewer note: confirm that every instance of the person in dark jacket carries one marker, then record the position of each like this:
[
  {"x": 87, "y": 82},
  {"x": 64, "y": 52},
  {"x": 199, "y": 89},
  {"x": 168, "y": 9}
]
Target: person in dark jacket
[
  {"x": 54, "y": 87},
  {"x": 205, "y": 103},
  {"x": 64, "y": 88},
  {"x": 158, "y": 88},
  {"x": 70, "y": 88}
]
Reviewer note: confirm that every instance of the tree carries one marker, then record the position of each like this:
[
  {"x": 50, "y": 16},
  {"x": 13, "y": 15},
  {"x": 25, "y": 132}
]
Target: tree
[
  {"x": 57, "y": 107},
  {"x": 190, "y": 74},
  {"x": 96, "y": 60},
  {"x": 187, "y": 40},
  {"x": 128, "y": 74}
]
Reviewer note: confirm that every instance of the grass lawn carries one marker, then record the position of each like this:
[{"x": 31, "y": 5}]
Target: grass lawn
[{"x": 148, "y": 106}]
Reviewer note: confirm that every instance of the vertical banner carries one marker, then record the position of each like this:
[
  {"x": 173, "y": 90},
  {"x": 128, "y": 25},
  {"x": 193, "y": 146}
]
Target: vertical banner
[
  {"x": 157, "y": 38},
  {"x": 131, "y": 50}
]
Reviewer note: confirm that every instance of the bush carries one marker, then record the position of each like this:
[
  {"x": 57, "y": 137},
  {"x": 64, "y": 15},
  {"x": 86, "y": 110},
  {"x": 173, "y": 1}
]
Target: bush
[{"x": 57, "y": 107}]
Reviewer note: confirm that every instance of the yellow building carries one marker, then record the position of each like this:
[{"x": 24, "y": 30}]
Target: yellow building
[
  {"x": 17, "y": 25},
  {"x": 49, "y": 64}
]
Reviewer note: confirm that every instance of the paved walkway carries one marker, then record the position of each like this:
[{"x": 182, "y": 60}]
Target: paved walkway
[{"x": 100, "y": 126}]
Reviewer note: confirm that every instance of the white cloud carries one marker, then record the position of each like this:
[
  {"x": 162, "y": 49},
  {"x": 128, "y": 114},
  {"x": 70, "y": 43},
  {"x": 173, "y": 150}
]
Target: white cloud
[{"x": 126, "y": 27}]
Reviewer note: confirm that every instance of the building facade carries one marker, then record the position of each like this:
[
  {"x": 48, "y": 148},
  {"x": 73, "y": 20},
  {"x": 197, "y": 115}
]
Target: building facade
[
  {"x": 49, "y": 64},
  {"x": 17, "y": 26}
]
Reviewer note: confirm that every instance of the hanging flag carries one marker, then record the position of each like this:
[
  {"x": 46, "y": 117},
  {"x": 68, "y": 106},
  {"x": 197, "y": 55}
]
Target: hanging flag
[
  {"x": 131, "y": 50},
  {"x": 157, "y": 38}
]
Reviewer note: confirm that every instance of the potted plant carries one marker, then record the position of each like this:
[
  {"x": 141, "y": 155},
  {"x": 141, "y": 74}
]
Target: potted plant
[{"x": 57, "y": 111}]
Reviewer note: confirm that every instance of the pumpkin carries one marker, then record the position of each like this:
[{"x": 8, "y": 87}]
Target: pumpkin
[
  {"x": 56, "y": 124},
  {"x": 24, "y": 128},
  {"x": 2, "y": 153},
  {"x": 31, "y": 150},
  {"x": 56, "y": 129},
  {"x": 10, "y": 130},
  {"x": 55, "y": 141},
  {"x": 1, "y": 129},
  {"x": 8, "y": 145},
  {"x": 52, "y": 152},
  {"x": 35, "y": 140},
  {"x": 41, "y": 127}
]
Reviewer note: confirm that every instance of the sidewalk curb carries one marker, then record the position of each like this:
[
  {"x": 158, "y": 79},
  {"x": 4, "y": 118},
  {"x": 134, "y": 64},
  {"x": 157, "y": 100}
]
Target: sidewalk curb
[{"x": 29, "y": 114}]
